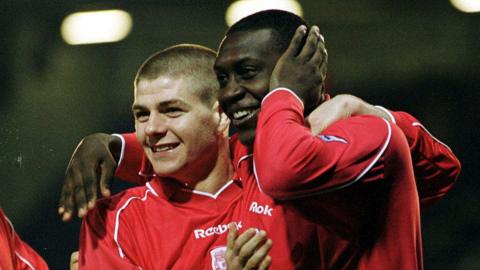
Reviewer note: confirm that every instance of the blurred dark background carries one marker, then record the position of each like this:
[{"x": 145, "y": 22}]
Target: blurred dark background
[{"x": 418, "y": 56}]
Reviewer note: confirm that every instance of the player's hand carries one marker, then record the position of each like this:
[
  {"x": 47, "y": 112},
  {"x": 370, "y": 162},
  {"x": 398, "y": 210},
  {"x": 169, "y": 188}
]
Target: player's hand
[
  {"x": 247, "y": 251},
  {"x": 338, "y": 108},
  {"x": 91, "y": 167},
  {"x": 302, "y": 68},
  {"x": 74, "y": 261}
]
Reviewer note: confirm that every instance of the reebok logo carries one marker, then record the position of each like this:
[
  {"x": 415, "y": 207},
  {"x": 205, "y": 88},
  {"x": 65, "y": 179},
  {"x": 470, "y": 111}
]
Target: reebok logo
[
  {"x": 219, "y": 229},
  {"x": 261, "y": 209}
]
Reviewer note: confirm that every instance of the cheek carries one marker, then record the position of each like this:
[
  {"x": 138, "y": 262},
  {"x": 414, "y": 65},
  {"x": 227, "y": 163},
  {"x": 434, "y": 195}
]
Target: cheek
[
  {"x": 260, "y": 86},
  {"x": 203, "y": 132},
  {"x": 139, "y": 130}
]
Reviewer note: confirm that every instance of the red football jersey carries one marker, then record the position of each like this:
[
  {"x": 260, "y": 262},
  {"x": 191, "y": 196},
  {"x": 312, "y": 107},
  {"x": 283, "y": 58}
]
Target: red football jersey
[
  {"x": 345, "y": 217},
  {"x": 164, "y": 225},
  {"x": 14, "y": 253},
  {"x": 356, "y": 180}
]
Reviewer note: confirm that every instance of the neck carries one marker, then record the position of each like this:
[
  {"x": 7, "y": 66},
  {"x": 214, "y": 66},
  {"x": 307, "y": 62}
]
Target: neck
[{"x": 217, "y": 172}]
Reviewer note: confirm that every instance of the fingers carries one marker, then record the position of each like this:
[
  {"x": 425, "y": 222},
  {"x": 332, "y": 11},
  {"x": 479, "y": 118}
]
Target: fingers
[
  {"x": 242, "y": 239},
  {"x": 310, "y": 46},
  {"x": 265, "y": 263},
  {"x": 80, "y": 189},
  {"x": 232, "y": 235},
  {"x": 249, "y": 250},
  {"x": 260, "y": 255},
  {"x": 320, "y": 57},
  {"x": 90, "y": 186},
  {"x": 65, "y": 208},
  {"x": 74, "y": 261},
  {"x": 295, "y": 44},
  {"x": 81, "y": 200},
  {"x": 251, "y": 245},
  {"x": 107, "y": 171}
]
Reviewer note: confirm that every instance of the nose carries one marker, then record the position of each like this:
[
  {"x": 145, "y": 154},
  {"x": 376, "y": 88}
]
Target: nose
[
  {"x": 231, "y": 93},
  {"x": 156, "y": 127}
]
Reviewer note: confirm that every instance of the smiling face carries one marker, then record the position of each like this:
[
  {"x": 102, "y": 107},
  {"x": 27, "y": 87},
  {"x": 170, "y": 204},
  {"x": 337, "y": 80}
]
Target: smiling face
[
  {"x": 243, "y": 66},
  {"x": 177, "y": 129}
]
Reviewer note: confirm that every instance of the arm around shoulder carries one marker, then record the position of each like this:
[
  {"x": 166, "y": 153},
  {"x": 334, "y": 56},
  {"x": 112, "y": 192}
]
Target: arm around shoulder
[{"x": 435, "y": 165}]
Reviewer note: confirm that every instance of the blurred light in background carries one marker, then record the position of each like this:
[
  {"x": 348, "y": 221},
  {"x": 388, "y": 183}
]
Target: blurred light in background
[
  {"x": 242, "y": 8},
  {"x": 96, "y": 27},
  {"x": 468, "y": 6}
]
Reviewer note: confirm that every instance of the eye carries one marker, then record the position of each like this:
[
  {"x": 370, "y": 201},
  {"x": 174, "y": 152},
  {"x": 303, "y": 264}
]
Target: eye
[
  {"x": 173, "y": 111},
  {"x": 141, "y": 116},
  {"x": 247, "y": 72},
  {"x": 222, "y": 79}
]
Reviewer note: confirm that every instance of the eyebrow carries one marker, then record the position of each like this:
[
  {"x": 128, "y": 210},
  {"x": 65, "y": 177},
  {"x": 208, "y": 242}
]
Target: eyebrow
[
  {"x": 167, "y": 103},
  {"x": 238, "y": 62}
]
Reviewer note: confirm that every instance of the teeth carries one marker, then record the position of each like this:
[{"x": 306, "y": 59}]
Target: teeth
[
  {"x": 240, "y": 114},
  {"x": 162, "y": 148}
]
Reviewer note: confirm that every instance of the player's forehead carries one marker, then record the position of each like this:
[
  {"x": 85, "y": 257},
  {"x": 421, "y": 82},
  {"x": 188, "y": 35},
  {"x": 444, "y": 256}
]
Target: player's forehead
[
  {"x": 251, "y": 44},
  {"x": 171, "y": 90}
]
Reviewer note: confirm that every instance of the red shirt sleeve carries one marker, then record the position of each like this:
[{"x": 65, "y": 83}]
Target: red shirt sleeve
[
  {"x": 133, "y": 166},
  {"x": 16, "y": 254},
  {"x": 98, "y": 249},
  {"x": 291, "y": 162},
  {"x": 435, "y": 166}
]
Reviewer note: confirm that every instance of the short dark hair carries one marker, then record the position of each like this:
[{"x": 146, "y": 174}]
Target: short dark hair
[
  {"x": 283, "y": 24},
  {"x": 184, "y": 60}
]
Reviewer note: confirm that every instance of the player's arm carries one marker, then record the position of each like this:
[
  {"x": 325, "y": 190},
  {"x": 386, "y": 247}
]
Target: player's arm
[
  {"x": 248, "y": 250},
  {"x": 92, "y": 167},
  {"x": 291, "y": 162},
  {"x": 435, "y": 166},
  {"x": 14, "y": 253}
]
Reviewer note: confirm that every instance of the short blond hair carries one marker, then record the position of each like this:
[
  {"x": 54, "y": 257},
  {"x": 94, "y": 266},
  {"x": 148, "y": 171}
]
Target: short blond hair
[{"x": 184, "y": 60}]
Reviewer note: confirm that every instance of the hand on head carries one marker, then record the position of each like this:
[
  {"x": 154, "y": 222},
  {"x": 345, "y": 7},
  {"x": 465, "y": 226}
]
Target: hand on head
[{"x": 302, "y": 67}]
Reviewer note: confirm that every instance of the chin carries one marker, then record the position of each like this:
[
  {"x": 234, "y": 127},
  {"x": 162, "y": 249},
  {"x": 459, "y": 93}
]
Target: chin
[
  {"x": 247, "y": 138},
  {"x": 164, "y": 169}
]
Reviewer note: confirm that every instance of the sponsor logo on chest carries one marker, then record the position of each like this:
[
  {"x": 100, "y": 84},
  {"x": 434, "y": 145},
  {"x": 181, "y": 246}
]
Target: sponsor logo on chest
[
  {"x": 214, "y": 230},
  {"x": 261, "y": 209}
]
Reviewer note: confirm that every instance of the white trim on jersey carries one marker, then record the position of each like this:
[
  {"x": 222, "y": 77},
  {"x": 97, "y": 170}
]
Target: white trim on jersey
[
  {"x": 151, "y": 189},
  {"x": 414, "y": 124},
  {"x": 25, "y": 261},
  {"x": 389, "y": 136},
  {"x": 417, "y": 124},
  {"x": 256, "y": 176},
  {"x": 386, "y": 111},
  {"x": 282, "y": 89},
  {"x": 11, "y": 225},
  {"x": 117, "y": 217},
  {"x": 243, "y": 158},
  {"x": 146, "y": 175},
  {"x": 122, "y": 151},
  {"x": 213, "y": 196},
  {"x": 380, "y": 153}
]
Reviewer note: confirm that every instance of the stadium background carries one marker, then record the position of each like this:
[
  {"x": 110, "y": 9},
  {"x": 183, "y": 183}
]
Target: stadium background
[{"x": 418, "y": 56}]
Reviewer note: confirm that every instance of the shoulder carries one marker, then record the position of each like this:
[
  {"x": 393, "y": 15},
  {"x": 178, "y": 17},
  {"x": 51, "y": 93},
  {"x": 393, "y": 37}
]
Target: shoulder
[
  {"x": 107, "y": 210},
  {"x": 363, "y": 131}
]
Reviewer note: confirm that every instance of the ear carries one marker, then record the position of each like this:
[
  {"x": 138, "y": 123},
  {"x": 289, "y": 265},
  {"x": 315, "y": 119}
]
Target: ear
[{"x": 223, "y": 120}]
